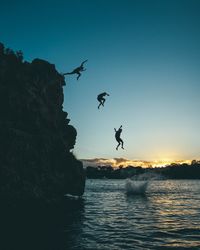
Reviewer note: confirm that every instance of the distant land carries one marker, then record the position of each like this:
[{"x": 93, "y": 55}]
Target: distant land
[
  {"x": 172, "y": 171},
  {"x": 117, "y": 162}
]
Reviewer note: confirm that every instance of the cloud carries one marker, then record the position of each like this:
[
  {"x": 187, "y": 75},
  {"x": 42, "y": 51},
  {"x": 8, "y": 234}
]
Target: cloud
[
  {"x": 116, "y": 162},
  {"x": 120, "y": 160},
  {"x": 97, "y": 162}
]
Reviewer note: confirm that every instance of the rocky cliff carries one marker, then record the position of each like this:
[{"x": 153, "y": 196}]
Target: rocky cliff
[{"x": 35, "y": 136}]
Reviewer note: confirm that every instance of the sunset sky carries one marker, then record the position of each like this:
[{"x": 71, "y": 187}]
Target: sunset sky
[{"x": 144, "y": 53}]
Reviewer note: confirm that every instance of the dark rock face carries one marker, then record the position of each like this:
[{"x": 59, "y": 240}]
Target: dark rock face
[{"x": 35, "y": 135}]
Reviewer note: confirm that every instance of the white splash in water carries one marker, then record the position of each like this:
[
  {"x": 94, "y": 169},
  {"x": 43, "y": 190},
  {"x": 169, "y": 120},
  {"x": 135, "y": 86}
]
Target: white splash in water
[
  {"x": 138, "y": 183},
  {"x": 135, "y": 186}
]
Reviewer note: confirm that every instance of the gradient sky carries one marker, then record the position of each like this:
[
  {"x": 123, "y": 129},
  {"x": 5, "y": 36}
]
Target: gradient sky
[{"x": 145, "y": 53}]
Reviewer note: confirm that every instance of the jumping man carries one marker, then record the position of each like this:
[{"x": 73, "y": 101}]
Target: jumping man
[
  {"x": 77, "y": 70},
  {"x": 101, "y": 98},
  {"x": 117, "y": 137}
]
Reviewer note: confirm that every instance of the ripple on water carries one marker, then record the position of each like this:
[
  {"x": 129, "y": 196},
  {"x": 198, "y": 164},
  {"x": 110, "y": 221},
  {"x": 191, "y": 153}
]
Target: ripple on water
[{"x": 167, "y": 217}]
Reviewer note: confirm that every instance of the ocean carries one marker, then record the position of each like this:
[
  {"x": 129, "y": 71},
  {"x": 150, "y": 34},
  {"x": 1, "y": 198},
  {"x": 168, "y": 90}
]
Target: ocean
[
  {"x": 166, "y": 216},
  {"x": 111, "y": 215}
]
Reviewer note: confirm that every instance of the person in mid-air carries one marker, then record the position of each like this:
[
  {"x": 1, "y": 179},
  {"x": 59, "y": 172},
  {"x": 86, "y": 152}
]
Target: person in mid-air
[
  {"x": 77, "y": 70},
  {"x": 101, "y": 98},
  {"x": 117, "y": 137}
]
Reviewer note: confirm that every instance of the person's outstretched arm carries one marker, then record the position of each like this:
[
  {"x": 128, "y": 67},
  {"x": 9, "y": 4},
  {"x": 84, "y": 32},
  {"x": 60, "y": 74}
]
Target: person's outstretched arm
[{"x": 83, "y": 62}]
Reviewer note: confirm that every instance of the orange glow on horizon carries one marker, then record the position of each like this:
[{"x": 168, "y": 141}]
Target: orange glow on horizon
[{"x": 117, "y": 162}]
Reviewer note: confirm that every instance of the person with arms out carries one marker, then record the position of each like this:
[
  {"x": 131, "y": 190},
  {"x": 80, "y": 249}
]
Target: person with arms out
[
  {"x": 77, "y": 70},
  {"x": 101, "y": 99},
  {"x": 118, "y": 139}
]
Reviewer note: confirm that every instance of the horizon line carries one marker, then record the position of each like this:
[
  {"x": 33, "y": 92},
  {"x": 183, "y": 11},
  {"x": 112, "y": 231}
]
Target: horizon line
[{"x": 117, "y": 162}]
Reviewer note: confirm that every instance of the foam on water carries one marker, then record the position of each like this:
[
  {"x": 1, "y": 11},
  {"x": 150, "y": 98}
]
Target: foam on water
[
  {"x": 135, "y": 186},
  {"x": 74, "y": 197},
  {"x": 138, "y": 184}
]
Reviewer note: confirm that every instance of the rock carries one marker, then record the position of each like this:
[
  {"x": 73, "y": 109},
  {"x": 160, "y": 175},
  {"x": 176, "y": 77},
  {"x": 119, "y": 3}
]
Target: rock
[{"x": 36, "y": 137}]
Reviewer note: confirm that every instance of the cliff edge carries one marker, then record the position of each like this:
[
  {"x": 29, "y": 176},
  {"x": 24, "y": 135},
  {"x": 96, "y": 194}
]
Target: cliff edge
[{"x": 35, "y": 136}]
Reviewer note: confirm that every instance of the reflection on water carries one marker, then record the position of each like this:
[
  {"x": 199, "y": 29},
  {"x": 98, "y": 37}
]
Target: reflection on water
[
  {"x": 156, "y": 220},
  {"x": 166, "y": 217}
]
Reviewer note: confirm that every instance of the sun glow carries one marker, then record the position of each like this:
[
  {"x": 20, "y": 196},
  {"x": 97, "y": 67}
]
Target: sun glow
[{"x": 117, "y": 162}]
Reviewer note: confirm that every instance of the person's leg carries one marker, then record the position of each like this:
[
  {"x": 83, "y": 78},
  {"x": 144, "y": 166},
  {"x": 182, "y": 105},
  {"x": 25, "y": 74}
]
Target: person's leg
[
  {"x": 70, "y": 73},
  {"x": 122, "y": 144},
  {"x": 103, "y": 100},
  {"x": 118, "y": 144},
  {"x": 79, "y": 74},
  {"x": 99, "y": 105}
]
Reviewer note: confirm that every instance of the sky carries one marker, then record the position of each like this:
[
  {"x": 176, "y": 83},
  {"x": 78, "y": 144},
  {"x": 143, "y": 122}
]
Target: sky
[{"x": 144, "y": 53}]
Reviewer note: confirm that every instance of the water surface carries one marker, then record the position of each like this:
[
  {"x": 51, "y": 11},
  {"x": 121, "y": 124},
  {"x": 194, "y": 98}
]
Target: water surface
[{"x": 166, "y": 217}]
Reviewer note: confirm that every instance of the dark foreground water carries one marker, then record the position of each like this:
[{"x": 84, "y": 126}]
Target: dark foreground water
[
  {"x": 106, "y": 218},
  {"x": 167, "y": 217}
]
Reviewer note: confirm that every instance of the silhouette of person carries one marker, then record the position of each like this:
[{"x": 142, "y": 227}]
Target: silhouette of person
[
  {"x": 118, "y": 139},
  {"x": 77, "y": 70},
  {"x": 101, "y": 98}
]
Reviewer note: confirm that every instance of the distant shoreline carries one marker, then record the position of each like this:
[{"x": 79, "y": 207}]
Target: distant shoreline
[{"x": 173, "y": 171}]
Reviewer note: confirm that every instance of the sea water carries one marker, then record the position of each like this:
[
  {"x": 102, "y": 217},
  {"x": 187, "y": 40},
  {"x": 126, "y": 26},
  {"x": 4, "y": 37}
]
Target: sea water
[
  {"x": 164, "y": 215},
  {"x": 140, "y": 214}
]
